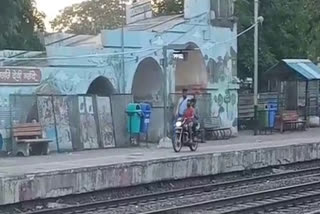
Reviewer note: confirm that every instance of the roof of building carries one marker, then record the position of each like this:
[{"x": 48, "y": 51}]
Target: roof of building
[
  {"x": 71, "y": 40},
  {"x": 294, "y": 69},
  {"x": 156, "y": 24},
  {"x": 14, "y": 55}
]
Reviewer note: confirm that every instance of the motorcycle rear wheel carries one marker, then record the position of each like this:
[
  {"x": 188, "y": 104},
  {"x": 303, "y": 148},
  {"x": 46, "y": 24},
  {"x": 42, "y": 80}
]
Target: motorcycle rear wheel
[
  {"x": 194, "y": 146},
  {"x": 176, "y": 143}
]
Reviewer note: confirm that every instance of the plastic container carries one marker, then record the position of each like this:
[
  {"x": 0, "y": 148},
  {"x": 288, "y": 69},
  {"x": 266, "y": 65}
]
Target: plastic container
[
  {"x": 1, "y": 142},
  {"x": 273, "y": 109},
  {"x": 134, "y": 118},
  {"x": 263, "y": 115},
  {"x": 145, "y": 119}
]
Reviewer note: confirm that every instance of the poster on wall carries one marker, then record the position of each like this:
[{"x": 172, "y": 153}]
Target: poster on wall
[
  {"x": 82, "y": 107},
  {"x": 89, "y": 105},
  {"x": 46, "y": 118},
  {"x": 105, "y": 122},
  {"x": 88, "y": 126},
  {"x": 62, "y": 105}
]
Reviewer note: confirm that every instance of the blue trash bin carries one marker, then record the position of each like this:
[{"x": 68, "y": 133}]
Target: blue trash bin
[
  {"x": 145, "y": 120},
  {"x": 273, "y": 109},
  {"x": 1, "y": 142}
]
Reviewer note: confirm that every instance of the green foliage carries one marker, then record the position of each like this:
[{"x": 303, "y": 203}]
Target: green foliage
[
  {"x": 283, "y": 34},
  {"x": 313, "y": 29},
  {"x": 89, "y": 17},
  {"x": 168, "y": 7},
  {"x": 19, "y": 21}
]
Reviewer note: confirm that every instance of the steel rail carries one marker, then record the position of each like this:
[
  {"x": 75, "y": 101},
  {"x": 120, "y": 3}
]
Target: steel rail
[
  {"x": 250, "y": 197},
  {"x": 189, "y": 191}
]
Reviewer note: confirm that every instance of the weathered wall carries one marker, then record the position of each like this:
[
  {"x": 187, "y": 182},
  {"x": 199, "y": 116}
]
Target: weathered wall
[{"x": 216, "y": 47}]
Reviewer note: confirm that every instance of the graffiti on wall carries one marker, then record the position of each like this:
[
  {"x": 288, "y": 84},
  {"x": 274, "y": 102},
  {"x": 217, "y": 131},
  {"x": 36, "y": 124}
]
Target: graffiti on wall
[
  {"x": 72, "y": 121},
  {"x": 115, "y": 63},
  {"x": 105, "y": 122},
  {"x": 226, "y": 103},
  {"x": 62, "y": 106},
  {"x": 223, "y": 68},
  {"x": 46, "y": 118},
  {"x": 88, "y": 128}
]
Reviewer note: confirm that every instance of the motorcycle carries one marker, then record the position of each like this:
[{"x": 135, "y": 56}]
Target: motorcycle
[{"x": 182, "y": 136}]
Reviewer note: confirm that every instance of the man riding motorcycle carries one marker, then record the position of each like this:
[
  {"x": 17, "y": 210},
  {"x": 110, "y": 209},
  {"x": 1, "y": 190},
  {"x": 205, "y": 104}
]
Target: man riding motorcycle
[{"x": 182, "y": 104}]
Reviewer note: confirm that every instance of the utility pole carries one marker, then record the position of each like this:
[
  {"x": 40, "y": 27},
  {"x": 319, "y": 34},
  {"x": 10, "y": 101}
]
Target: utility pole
[
  {"x": 255, "y": 78},
  {"x": 123, "y": 5},
  {"x": 256, "y": 43}
]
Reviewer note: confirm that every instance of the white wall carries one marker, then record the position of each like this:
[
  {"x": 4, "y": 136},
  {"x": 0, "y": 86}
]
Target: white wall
[{"x": 193, "y": 8}]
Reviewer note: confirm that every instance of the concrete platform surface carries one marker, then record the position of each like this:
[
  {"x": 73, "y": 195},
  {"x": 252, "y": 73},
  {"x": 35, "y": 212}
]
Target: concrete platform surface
[{"x": 73, "y": 173}]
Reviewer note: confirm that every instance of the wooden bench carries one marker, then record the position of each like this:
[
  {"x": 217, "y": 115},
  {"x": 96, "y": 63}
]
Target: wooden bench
[
  {"x": 212, "y": 128},
  {"x": 28, "y": 140},
  {"x": 290, "y": 120}
]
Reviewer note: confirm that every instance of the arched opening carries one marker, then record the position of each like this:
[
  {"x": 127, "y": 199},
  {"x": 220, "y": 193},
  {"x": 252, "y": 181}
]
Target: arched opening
[
  {"x": 101, "y": 86},
  {"x": 191, "y": 71},
  {"x": 148, "y": 82},
  {"x": 212, "y": 70}
]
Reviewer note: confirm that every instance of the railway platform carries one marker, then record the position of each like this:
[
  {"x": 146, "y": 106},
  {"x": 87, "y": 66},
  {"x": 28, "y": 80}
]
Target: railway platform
[{"x": 56, "y": 175}]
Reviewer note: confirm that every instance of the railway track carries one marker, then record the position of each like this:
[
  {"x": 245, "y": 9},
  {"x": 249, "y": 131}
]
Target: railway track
[
  {"x": 314, "y": 212},
  {"x": 137, "y": 204},
  {"x": 263, "y": 202}
]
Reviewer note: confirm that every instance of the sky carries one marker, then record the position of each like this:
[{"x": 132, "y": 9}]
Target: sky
[{"x": 52, "y": 7}]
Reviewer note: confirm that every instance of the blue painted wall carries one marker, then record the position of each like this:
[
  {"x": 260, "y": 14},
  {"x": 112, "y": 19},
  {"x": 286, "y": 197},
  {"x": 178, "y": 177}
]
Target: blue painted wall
[{"x": 218, "y": 46}]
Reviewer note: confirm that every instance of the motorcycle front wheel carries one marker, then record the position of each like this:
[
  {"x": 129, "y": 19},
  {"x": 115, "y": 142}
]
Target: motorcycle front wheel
[{"x": 176, "y": 143}]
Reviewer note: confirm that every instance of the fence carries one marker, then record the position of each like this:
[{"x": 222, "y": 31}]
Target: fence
[
  {"x": 246, "y": 105},
  {"x": 73, "y": 122}
]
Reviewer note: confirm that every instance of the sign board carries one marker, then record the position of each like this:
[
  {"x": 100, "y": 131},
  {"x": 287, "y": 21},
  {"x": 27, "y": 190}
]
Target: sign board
[
  {"x": 19, "y": 76},
  {"x": 138, "y": 10}
]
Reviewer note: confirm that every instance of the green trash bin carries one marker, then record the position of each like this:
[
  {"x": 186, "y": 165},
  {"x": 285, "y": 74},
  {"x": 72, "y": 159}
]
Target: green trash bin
[
  {"x": 134, "y": 118},
  {"x": 263, "y": 116}
]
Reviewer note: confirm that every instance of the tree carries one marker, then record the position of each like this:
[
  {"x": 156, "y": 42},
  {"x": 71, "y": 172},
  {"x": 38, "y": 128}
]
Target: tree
[
  {"x": 92, "y": 16},
  {"x": 313, "y": 30},
  {"x": 89, "y": 17},
  {"x": 282, "y": 34},
  {"x": 168, "y": 7},
  {"x": 19, "y": 23}
]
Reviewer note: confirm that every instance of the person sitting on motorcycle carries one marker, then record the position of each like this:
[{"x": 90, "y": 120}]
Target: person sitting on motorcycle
[{"x": 189, "y": 116}]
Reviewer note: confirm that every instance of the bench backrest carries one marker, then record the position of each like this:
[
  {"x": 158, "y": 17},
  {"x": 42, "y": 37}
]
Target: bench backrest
[
  {"x": 290, "y": 116},
  {"x": 29, "y": 130},
  {"x": 212, "y": 122}
]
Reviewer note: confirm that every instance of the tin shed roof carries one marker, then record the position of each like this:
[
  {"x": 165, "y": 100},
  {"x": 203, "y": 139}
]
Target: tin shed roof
[
  {"x": 158, "y": 24},
  {"x": 294, "y": 69}
]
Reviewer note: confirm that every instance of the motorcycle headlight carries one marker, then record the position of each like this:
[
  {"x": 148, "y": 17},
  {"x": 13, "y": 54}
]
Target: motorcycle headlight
[{"x": 178, "y": 124}]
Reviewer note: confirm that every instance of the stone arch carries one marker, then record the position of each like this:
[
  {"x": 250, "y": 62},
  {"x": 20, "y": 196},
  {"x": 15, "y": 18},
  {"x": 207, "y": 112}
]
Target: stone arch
[
  {"x": 192, "y": 70},
  {"x": 101, "y": 86},
  {"x": 147, "y": 85}
]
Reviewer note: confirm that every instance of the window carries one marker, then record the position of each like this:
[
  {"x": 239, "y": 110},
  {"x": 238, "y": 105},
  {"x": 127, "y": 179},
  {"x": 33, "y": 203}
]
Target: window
[{"x": 222, "y": 8}]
